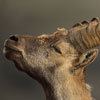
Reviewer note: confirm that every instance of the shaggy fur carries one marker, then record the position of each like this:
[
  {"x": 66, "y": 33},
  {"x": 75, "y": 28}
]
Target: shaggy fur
[{"x": 57, "y": 61}]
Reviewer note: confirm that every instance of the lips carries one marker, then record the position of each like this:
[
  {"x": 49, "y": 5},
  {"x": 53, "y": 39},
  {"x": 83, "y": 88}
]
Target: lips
[
  {"x": 10, "y": 45},
  {"x": 10, "y": 49}
]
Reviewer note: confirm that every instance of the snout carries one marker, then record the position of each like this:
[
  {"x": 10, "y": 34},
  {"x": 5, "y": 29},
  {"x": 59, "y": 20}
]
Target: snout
[
  {"x": 18, "y": 43},
  {"x": 12, "y": 44}
]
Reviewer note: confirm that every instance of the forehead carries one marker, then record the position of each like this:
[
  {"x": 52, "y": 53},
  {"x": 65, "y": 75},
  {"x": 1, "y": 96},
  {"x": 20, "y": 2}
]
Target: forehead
[{"x": 58, "y": 35}]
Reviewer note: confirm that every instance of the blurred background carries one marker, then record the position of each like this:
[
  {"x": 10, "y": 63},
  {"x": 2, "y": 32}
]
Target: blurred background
[{"x": 35, "y": 17}]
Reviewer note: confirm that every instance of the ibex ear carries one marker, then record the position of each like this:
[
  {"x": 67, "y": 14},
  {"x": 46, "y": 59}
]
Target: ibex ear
[{"x": 86, "y": 58}]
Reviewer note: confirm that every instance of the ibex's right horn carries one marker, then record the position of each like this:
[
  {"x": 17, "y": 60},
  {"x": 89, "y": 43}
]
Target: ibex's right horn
[{"x": 85, "y": 36}]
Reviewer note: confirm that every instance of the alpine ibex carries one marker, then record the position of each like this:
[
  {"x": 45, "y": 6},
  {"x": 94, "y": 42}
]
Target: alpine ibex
[{"x": 58, "y": 61}]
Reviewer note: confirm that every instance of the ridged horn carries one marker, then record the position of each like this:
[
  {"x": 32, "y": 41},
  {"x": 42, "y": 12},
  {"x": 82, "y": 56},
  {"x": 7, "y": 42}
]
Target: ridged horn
[{"x": 85, "y": 36}]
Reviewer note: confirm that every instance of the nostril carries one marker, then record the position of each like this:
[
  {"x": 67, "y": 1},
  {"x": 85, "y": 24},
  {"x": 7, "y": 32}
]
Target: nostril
[{"x": 15, "y": 38}]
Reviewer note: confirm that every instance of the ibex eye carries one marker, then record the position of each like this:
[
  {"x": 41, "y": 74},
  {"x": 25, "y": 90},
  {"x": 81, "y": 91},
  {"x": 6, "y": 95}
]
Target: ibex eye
[{"x": 57, "y": 49}]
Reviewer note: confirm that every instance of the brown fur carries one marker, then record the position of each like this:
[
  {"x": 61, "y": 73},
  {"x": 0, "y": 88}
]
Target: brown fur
[{"x": 57, "y": 61}]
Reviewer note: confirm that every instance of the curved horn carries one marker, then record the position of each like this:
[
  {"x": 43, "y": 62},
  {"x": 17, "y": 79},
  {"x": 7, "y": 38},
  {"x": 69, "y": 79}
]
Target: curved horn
[{"x": 85, "y": 35}]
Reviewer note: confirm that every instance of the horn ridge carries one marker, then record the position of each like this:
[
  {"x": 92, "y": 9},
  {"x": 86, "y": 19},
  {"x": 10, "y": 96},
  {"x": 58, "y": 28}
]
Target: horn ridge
[
  {"x": 95, "y": 19},
  {"x": 85, "y": 22},
  {"x": 76, "y": 25}
]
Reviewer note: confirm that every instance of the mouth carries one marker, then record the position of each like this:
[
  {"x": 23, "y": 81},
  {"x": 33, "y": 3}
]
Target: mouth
[{"x": 10, "y": 50}]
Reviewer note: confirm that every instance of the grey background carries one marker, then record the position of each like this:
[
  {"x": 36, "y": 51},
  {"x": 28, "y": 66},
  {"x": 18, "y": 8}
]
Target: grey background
[{"x": 35, "y": 17}]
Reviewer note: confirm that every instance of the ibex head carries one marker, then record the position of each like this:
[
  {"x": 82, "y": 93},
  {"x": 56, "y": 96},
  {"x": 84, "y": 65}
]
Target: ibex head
[{"x": 48, "y": 56}]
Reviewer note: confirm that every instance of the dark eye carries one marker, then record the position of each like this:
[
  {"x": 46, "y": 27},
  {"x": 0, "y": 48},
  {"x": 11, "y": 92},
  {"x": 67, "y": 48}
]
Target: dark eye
[{"x": 57, "y": 49}]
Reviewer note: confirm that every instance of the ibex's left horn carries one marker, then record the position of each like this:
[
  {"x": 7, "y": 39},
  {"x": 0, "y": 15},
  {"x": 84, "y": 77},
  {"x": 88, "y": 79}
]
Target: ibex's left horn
[{"x": 85, "y": 35}]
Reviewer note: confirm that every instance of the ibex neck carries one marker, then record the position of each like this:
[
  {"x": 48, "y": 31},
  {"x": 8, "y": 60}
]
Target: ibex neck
[
  {"x": 59, "y": 85},
  {"x": 67, "y": 91}
]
